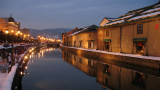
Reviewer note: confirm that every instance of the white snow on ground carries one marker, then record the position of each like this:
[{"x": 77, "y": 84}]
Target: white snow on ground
[
  {"x": 2, "y": 78},
  {"x": 6, "y": 79},
  {"x": 117, "y": 53},
  {"x": 15, "y": 45},
  {"x": 7, "y": 83}
]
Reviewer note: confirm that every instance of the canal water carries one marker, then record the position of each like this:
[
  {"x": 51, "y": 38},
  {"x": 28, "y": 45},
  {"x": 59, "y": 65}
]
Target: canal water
[{"x": 52, "y": 69}]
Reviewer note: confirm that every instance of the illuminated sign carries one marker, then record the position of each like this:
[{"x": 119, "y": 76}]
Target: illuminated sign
[{"x": 156, "y": 26}]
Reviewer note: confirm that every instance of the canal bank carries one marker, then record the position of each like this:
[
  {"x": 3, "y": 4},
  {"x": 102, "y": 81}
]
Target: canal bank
[
  {"x": 114, "y": 57},
  {"x": 8, "y": 78}
]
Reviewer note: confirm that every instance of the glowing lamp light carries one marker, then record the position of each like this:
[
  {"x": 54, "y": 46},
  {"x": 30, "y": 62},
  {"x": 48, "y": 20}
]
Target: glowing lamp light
[
  {"x": 30, "y": 50},
  {"x": 12, "y": 31},
  {"x": 16, "y": 34},
  {"x": 26, "y": 57},
  {"x": 6, "y": 32},
  {"x": 19, "y": 32},
  {"x": 26, "y": 67},
  {"x": 21, "y": 73}
]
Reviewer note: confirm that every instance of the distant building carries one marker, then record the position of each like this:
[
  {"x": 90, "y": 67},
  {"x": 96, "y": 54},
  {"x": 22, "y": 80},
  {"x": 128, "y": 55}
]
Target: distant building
[
  {"x": 83, "y": 37},
  {"x": 9, "y": 24},
  {"x": 106, "y": 20},
  {"x": 136, "y": 32},
  {"x": 25, "y": 31}
]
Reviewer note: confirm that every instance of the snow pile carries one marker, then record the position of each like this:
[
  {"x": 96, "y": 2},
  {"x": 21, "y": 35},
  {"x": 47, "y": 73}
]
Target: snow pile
[
  {"x": 2, "y": 78},
  {"x": 9, "y": 79}
]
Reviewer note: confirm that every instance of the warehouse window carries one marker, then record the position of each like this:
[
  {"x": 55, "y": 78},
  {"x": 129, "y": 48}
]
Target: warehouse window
[
  {"x": 139, "y": 28},
  {"x": 107, "y": 33}
]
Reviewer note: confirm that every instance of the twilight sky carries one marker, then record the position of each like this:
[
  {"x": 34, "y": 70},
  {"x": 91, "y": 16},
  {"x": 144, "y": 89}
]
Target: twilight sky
[{"x": 50, "y": 14}]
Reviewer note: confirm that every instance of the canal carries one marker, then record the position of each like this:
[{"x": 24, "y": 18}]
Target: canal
[{"x": 53, "y": 69}]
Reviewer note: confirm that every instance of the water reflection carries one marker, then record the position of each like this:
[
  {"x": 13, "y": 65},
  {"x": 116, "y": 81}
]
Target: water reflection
[
  {"x": 23, "y": 68},
  {"x": 112, "y": 76}
]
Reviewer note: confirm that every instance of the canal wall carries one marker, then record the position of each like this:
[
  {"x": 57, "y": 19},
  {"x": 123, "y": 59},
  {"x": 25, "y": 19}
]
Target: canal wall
[{"x": 114, "y": 58}]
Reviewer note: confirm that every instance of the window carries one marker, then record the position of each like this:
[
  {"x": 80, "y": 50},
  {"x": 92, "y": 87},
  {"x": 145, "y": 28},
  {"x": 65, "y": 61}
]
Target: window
[
  {"x": 80, "y": 60},
  {"x": 107, "y": 45},
  {"x": 80, "y": 43},
  {"x": 89, "y": 35},
  {"x": 91, "y": 44},
  {"x": 107, "y": 33},
  {"x": 74, "y": 43},
  {"x": 139, "y": 28}
]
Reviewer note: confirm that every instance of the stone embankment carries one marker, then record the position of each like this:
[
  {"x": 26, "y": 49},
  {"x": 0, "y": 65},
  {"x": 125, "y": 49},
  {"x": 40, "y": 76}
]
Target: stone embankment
[{"x": 115, "y": 58}]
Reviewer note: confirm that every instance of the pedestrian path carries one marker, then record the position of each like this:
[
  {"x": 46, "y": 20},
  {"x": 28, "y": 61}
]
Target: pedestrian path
[{"x": 2, "y": 79}]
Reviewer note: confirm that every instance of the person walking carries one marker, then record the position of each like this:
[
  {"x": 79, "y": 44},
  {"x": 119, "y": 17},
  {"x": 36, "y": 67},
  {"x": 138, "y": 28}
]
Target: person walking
[
  {"x": 10, "y": 62},
  {"x": 3, "y": 56},
  {"x": 9, "y": 59}
]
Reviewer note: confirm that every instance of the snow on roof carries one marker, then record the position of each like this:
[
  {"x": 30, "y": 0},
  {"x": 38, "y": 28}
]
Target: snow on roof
[
  {"x": 127, "y": 16},
  {"x": 151, "y": 10},
  {"x": 157, "y": 5},
  {"x": 146, "y": 15},
  {"x": 78, "y": 32},
  {"x": 115, "y": 22}
]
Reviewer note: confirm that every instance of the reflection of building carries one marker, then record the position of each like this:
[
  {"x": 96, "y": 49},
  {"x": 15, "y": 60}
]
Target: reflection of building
[
  {"x": 85, "y": 65},
  {"x": 113, "y": 77},
  {"x": 83, "y": 37},
  {"x": 136, "y": 32}
]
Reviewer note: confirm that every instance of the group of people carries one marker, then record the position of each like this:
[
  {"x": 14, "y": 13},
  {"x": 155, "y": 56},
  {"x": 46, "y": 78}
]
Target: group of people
[
  {"x": 7, "y": 58},
  {"x": 11, "y": 56}
]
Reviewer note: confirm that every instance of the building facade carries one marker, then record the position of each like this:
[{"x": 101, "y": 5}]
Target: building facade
[
  {"x": 82, "y": 38},
  {"x": 136, "y": 32}
]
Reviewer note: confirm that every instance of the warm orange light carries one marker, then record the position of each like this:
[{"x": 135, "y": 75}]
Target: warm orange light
[
  {"x": 26, "y": 57},
  {"x": 28, "y": 35},
  {"x": 19, "y": 32},
  {"x": 6, "y": 32},
  {"x": 24, "y": 35},
  {"x": 12, "y": 31},
  {"x": 16, "y": 34}
]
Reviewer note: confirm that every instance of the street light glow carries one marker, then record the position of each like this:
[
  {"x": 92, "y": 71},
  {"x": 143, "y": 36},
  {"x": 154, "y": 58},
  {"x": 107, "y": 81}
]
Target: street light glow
[{"x": 6, "y": 32}]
